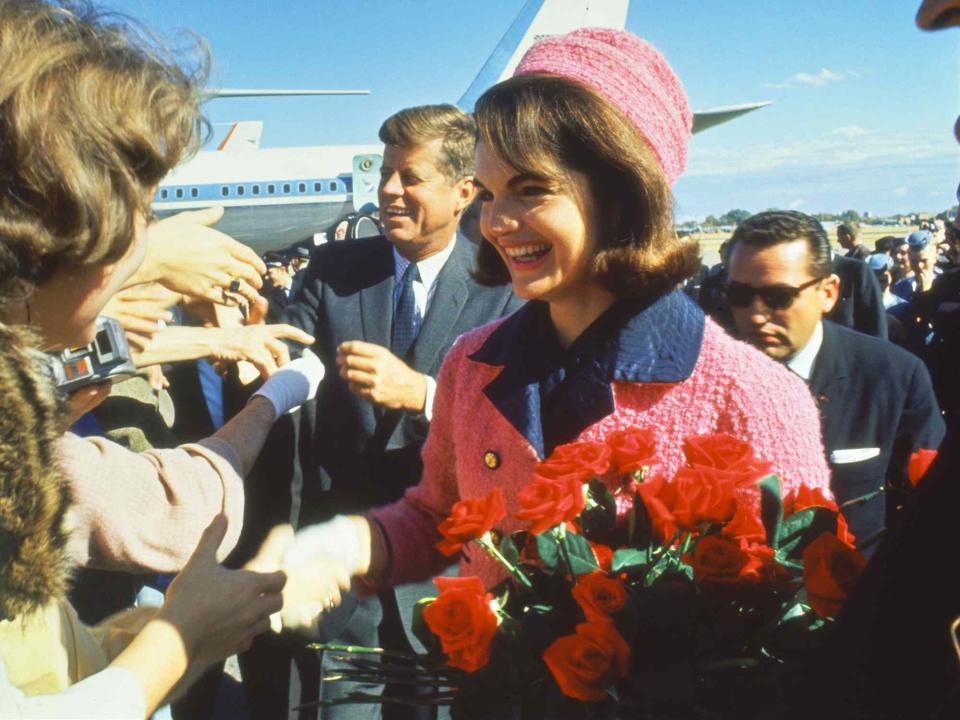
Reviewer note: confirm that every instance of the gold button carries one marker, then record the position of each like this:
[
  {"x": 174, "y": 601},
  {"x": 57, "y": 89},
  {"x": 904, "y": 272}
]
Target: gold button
[{"x": 491, "y": 459}]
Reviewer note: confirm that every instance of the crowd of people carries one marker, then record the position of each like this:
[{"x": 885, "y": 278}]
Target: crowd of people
[{"x": 527, "y": 289}]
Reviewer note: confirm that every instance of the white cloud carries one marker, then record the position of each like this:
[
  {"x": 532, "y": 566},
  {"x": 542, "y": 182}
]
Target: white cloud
[
  {"x": 840, "y": 148},
  {"x": 817, "y": 79},
  {"x": 796, "y": 204},
  {"x": 900, "y": 191}
]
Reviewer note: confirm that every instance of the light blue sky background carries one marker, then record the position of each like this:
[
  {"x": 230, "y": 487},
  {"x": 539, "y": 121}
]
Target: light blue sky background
[{"x": 864, "y": 103}]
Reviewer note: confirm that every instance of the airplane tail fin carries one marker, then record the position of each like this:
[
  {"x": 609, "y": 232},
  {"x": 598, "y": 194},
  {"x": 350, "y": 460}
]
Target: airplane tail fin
[
  {"x": 243, "y": 135},
  {"x": 538, "y": 19}
]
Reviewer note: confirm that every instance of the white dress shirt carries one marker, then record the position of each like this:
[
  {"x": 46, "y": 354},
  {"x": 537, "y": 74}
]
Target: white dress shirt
[
  {"x": 802, "y": 362},
  {"x": 423, "y": 291}
]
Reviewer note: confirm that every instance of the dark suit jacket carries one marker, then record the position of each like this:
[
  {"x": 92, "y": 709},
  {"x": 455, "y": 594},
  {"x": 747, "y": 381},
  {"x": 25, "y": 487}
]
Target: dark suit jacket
[
  {"x": 354, "y": 455},
  {"x": 871, "y": 394},
  {"x": 861, "y": 301}
]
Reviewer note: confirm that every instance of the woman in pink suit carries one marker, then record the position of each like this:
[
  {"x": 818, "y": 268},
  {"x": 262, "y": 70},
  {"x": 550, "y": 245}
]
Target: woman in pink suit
[{"x": 576, "y": 156}]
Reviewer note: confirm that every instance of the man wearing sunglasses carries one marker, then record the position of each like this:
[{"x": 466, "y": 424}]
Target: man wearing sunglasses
[{"x": 876, "y": 400}]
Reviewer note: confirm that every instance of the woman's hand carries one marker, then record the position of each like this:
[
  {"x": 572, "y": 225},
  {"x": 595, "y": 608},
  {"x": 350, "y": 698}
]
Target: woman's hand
[
  {"x": 83, "y": 401},
  {"x": 141, "y": 310},
  {"x": 189, "y": 257},
  {"x": 261, "y": 345},
  {"x": 217, "y": 611}
]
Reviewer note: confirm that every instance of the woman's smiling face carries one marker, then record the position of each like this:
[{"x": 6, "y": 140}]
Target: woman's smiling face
[{"x": 544, "y": 227}]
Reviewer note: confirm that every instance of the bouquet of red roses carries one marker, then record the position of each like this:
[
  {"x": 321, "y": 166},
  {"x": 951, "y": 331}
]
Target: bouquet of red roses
[{"x": 630, "y": 594}]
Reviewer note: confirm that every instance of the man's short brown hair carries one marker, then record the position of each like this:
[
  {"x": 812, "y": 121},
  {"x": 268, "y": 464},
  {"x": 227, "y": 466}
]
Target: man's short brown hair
[
  {"x": 93, "y": 115},
  {"x": 425, "y": 123},
  {"x": 535, "y": 122}
]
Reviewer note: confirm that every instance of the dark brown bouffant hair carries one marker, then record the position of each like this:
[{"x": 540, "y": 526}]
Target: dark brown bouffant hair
[
  {"x": 537, "y": 123},
  {"x": 93, "y": 114},
  {"x": 425, "y": 123},
  {"x": 34, "y": 566}
]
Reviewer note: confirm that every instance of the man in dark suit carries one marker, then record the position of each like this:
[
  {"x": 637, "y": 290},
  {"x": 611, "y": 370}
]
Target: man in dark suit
[
  {"x": 848, "y": 235},
  {"x": 876, "y": 400},
  {"x": 385, "y": 311},
  {"x": 278, "y": 286},
  {"x": 860, "y": 301}
]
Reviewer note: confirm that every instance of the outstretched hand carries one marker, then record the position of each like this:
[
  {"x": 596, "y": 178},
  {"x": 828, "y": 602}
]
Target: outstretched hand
[
  {"x": 189, "y": 257},
  {"x": 376, "y": 374}
]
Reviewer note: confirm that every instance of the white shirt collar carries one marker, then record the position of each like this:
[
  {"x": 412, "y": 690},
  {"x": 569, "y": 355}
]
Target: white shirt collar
[
  {"x": 802, "y": 362},
  {"x": 429, "y": 268}
]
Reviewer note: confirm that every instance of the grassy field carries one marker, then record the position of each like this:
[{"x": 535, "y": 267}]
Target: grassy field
[{"x": 710, "y": 242}]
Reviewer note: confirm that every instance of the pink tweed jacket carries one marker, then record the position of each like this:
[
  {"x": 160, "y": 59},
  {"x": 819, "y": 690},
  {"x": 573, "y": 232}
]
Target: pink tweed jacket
[{"x": 733, "y": 389}]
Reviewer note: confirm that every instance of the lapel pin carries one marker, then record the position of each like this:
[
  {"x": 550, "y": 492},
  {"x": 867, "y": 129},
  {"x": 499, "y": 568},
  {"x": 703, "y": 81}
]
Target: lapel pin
[{"x": 491, "y": 459}]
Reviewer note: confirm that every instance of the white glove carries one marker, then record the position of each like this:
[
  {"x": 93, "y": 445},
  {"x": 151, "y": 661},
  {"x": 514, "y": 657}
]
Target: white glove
[
  {"x": 318, "y": 563},
  {"x": 293, "y": 384}
]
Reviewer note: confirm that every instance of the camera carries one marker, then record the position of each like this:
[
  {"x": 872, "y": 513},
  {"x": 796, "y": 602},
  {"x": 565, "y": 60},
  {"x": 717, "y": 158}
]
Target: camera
[{"x": 106, "y": 358}]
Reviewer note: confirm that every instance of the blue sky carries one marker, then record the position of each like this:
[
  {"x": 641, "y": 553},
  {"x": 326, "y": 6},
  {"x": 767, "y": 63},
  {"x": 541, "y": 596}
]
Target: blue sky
[{"x": 864, "y": 103}]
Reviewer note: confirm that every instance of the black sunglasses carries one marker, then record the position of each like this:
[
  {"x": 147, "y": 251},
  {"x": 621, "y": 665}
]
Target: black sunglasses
[{"x": 775, "y": 297}]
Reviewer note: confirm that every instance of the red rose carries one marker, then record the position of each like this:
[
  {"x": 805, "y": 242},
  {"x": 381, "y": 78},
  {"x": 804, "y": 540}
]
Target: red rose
[
  {"x": 830, "y": 570},
  {"x": 717, "y": 559},
  {"x": 462, "y": 620},
  {"x": 806, "y": 497},
  {"x": 919, "y": 463},
  {"x": 603, "y": 554},
  {"x": 727, "y": 454},
  {"x": 582, "y": 460},
  {"x": 763, "y": 567},
  {"x": 662, "y": 522},
  {"x": 632, "y": 449},
  {"x": 599, "y": 596},
  {"x": 746, "y": 524},
  {"x": 545, "y": 502},
  {"x": 586, "y": 664},
  {"x": 701, "y": 494},
  {"x": 469, "y": 520}
]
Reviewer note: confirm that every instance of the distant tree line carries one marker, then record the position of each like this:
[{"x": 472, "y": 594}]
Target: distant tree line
[{"x": 732, "y": 218}]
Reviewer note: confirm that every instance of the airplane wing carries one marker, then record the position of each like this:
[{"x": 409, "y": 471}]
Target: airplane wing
[
  {"x": 715, "y": 116},
  {"x": 243, "y": 135},
  {"x": 253, "y": 92},
  {"x": 538, "y": 19}
]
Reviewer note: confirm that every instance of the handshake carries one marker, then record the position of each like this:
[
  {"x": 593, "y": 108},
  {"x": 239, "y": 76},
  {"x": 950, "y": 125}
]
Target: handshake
[{"x": 319, "y": 562}]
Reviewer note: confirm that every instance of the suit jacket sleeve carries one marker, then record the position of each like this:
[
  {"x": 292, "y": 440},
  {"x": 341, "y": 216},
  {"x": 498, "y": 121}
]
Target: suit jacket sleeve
[
  {"x": 304, "y": 311},
  {"x": 921, "y": 425}
]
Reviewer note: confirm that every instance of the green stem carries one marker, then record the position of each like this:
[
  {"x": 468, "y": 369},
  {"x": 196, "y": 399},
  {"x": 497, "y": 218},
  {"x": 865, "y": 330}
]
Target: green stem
[
  {"x": 485, "y": 542},
  {"x": 559, "y": 533}
]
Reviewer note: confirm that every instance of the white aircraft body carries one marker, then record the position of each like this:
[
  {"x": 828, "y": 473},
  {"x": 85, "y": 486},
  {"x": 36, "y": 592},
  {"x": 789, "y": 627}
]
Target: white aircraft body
[{"x": 276, "y": 197}]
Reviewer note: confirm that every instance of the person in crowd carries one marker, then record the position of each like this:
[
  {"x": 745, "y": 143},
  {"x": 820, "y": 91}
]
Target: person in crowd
[
  {"x": 711, "y": 298},
  {"x": 279, "y": 281},
  {"x": 900, "y": 252},
  {"x": 299, "y": 261},
  {"x": 885, "y": 245},
  {"x": 386, "y": 311},
  {"x": 922, "y": 255},
  {"x": 574, "y": 170},
  {"x": 848, "y": 235},
  {"x": 876, "y": 401},
  {"x": 52, "y": 665},
  {"x": 881, "y": 265},
  {"x": 74, "y": 230},
  {"x": 860, "y": 302},
  {"x": 951, "y": 252}
]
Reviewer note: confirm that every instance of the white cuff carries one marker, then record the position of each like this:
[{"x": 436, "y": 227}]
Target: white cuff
[{"x": 428, "y": 402}]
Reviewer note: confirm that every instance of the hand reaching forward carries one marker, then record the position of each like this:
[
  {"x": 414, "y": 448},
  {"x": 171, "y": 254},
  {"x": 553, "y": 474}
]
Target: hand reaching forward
[
  {"x": 378, "y": 375},
  {"x": 216, "y": 611},
  {"x": 189, "y": 257},
  {"x": 141, "y": 310}
]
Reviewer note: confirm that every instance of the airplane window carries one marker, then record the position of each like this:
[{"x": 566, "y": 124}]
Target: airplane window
[
  {"x": 333, "y": 186},
  {"x": 163, "y": 194},
  {"x": 286, "y": 187},
  {"x": 255, "y": 189},
  {"x": 194, "y": 192},
  {"x": 302, "y": 187},
  {"x": 317, "y": 187},
  {"x": 240, "y": 189},
  {"x": 271, "y": 189},
  {"x": 179, "y": 192},
  {"x": 224, "y": 190}
]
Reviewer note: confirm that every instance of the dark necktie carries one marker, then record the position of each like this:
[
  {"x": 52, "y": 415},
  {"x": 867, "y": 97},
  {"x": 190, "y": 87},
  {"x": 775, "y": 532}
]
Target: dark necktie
[{"x": 405, "y": 317}]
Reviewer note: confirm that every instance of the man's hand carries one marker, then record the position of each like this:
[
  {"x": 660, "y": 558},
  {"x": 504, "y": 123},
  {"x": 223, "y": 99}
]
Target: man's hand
[
  {"x": 376, "y": 374},
  {"x": 189, "y": 257}
]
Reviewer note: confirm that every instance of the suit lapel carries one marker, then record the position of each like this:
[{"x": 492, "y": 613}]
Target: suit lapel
[
  {"x": 376, "y": 299},
  {"x": 829, "y": 369},
  {"x": 447, "y": 304}
]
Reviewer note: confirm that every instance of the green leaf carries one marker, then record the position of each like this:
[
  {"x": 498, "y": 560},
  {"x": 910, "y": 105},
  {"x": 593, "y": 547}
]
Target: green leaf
[
  {"x": 802, "y": 528},
  {"x": 582, "y": 560},
  {"x": 508, "y": 548},
  {"x": 548, "y": 549},
  {"x": 601, "y": 514},
  {"x": 771, "y": 509},
  {"x": 420, "y": 628},
  {"x": 629, "y": 558}
]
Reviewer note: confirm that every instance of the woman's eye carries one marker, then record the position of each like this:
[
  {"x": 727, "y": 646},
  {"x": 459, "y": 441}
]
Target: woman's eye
[{"x": 533, "y": 190}]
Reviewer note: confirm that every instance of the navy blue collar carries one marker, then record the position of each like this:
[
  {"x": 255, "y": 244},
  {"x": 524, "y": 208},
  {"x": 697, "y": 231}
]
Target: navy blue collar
[{"x": 655, "y": 341}]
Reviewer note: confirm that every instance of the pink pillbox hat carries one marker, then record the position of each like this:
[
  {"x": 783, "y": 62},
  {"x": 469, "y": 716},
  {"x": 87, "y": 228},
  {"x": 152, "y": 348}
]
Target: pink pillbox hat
[{"x": 631, "y": 75}]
